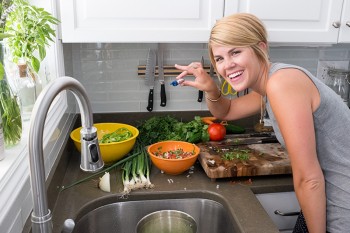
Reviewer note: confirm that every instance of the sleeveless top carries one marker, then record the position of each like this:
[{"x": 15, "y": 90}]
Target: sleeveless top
[{"x": 332, "y": 129}]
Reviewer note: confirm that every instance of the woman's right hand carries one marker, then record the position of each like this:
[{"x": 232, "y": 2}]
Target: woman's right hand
[{"x": 202, "y": 80}]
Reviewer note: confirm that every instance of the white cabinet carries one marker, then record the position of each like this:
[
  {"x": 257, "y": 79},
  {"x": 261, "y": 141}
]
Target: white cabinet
[
  {"x": 344, "y": 28},
  {"x": 284, "y": 202},
  {"x": 299, "y": 21},
  {"x": 138, "y": 20}
]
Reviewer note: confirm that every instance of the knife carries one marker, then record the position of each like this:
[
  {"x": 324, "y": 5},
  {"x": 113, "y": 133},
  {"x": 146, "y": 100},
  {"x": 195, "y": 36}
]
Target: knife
[
  {"x": 211, "y": 71},
  {"x": 150, "y": 72},
  {"x": 200, "y": 93},
  {"x": 161, "y": 76},
  {"x": 245, "y": 141}
]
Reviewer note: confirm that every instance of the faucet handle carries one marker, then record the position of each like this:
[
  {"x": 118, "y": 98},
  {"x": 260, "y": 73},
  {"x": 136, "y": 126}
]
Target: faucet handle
[{"x": 91, "y": 160}]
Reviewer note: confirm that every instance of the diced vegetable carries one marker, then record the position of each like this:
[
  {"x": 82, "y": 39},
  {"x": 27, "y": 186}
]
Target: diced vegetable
[
  {"x": 173, "y": 154},
  {"x": 240, "y": 154}
]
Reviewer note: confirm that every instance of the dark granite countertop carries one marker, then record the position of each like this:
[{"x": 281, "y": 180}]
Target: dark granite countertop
[{"x": 239, "y": 193}]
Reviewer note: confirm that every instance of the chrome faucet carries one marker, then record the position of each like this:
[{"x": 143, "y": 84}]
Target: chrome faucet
[{"x": 90, "y": 158}]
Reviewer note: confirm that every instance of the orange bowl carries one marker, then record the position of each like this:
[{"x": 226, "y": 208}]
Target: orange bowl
[{"x": 173, "y": 166}]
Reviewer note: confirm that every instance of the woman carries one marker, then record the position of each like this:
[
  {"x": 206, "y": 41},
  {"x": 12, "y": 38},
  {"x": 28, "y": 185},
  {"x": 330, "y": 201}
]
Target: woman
[{"x": 309, "y": 119}]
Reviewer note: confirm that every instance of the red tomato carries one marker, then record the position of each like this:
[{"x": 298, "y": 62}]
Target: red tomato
[{"x": 216, "y": 131}]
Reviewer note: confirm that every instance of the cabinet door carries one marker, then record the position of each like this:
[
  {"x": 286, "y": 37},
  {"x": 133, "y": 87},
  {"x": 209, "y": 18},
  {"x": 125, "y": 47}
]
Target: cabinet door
[
  {"x": 139, "y": 20},
  {"x": 344, "y": 33},
  {"x": 285, "y": 202},
  {"x": 294, "y": 21}
]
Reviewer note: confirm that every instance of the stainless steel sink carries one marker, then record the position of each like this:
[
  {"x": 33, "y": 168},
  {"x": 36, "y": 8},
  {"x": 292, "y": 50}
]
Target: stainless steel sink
[{"x": 116, "y": 214}]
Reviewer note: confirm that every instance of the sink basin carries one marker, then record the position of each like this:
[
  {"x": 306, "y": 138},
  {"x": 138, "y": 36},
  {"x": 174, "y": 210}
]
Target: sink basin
[{"x": 121, "y": 214}]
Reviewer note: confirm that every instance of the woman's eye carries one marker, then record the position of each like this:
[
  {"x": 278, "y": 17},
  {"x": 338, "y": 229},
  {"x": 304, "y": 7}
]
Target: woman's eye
[
  {"x": 218, "y": 59},
  {"x": 235, "y": 52}
]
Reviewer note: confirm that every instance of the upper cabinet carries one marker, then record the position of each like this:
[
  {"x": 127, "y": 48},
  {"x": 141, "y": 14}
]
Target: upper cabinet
[
  {"x": 138, "y": 20},
  {"x": 299, "y": 21},
  {"x": 344, "y": 28}
]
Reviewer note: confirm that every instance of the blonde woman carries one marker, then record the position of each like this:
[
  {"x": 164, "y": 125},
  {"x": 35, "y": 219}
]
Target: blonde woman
[{"x": 309, "y": 119}]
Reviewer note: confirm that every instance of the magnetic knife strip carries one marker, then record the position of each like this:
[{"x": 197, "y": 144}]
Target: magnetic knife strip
[{"x": 169, "y": 71}]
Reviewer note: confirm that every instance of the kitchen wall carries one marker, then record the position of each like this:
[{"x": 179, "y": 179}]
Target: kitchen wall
[{"x": 109, "y": 72}]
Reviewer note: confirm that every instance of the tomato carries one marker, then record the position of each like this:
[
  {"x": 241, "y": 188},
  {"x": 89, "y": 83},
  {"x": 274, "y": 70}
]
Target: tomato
[{"x": 216, "y": 131}]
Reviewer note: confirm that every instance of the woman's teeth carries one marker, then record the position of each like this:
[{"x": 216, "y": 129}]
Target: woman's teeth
[{"x": 234, "y": 75}]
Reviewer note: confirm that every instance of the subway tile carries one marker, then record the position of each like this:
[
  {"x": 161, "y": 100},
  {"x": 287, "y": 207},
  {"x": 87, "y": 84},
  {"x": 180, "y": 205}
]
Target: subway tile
[{"x": 109, "y": 71}]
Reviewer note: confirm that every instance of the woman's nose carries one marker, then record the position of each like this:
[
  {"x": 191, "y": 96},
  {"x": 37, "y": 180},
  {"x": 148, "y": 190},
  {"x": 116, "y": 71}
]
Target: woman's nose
[{"x": 228, "y": 63}]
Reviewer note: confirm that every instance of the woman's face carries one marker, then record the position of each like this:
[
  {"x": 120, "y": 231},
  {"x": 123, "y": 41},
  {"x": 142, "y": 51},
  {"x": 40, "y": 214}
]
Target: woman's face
[{"x": 239, "y": 66}]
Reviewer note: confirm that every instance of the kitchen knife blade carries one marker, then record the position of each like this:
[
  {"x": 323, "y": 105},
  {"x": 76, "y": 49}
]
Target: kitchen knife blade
[
  {"x": 200, "y": 93},
  {"x": 245, "y": 141},
  {"x": 161, "y": 76},
  {"x": 211, "y": 71},
  {"x": 150, "y": 73}
]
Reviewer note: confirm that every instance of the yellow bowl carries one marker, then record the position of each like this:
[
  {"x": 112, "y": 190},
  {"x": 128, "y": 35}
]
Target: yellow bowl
[
  {"x": 110, "y": 152},
  {"x": 173, "y": 166}
]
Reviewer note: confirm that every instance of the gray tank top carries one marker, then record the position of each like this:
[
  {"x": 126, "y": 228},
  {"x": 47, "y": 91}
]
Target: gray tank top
[{"x": 332, "y": 129}]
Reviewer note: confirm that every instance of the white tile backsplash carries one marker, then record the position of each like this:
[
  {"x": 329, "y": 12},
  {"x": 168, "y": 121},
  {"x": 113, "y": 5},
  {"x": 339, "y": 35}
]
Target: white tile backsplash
[{"x": 109, "y": 72}]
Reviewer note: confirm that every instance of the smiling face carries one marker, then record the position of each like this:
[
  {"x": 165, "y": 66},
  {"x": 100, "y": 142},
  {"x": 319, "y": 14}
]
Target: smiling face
[
  {"x": 239, "y": 66},
  {"x": 238, "y": 50}
]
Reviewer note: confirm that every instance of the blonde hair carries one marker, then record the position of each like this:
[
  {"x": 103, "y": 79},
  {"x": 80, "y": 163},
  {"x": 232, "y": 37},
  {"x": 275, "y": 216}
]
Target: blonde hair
[{"x": 240, "y": 30}]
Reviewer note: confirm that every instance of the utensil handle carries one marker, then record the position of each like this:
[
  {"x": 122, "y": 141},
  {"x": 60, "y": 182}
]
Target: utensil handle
[
  {"x": 150, "y": 100},
  {"x": 162, "y": 95},
  {"x": 200, "y": 96},
  {"x": 269, "y": 140}
]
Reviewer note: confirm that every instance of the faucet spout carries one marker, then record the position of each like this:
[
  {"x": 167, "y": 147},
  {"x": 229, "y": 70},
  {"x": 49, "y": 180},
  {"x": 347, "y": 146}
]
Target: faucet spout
[{"x": 90, "y": 159}]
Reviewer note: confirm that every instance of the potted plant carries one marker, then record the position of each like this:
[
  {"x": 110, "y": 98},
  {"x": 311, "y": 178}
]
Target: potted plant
[
  {"x": 30, "y": 30},
  {"x": 9, "y": 107}
]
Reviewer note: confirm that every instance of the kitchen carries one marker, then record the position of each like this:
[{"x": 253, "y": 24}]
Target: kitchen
[{"x": 94, "y": 55}]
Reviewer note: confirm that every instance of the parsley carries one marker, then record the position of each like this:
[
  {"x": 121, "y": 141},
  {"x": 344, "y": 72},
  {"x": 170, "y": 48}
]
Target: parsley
[{"x": 162, "y": 128}]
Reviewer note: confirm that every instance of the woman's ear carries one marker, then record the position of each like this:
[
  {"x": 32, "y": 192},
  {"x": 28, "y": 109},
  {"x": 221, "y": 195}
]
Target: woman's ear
[{"x": 263, "y": 45}]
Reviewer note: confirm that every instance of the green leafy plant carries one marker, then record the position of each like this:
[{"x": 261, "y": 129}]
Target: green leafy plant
[
  {"x": 10, "y": 112},
  {"x": 30, "y": 30}
]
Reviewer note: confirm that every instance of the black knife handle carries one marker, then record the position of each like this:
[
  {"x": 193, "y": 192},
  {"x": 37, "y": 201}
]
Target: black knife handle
[
  {"x": 269, "y": 140},
  {"x": 162, "y": 95},
  {"x": 150, "y": 100},
  {"x": 200, "y": 96}
]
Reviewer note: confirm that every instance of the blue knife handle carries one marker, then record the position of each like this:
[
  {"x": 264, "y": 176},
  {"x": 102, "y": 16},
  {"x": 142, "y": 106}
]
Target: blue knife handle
[
  {"x": 200, "y": 96},
  {"x": 150, "y": 100},
  {"x": 162, "y": 95}
]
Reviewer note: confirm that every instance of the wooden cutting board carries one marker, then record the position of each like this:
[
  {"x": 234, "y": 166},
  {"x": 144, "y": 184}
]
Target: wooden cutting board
[{"x": 264, "y": 159}]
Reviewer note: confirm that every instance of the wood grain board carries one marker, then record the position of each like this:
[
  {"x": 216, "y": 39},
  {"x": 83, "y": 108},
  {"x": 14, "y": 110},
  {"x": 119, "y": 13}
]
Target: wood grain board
[{"x": 264, "y": 159}]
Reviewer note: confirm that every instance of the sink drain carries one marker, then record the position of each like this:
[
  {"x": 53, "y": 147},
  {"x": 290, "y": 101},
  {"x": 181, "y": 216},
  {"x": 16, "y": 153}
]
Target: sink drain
[{"x": 167, "y": 221}]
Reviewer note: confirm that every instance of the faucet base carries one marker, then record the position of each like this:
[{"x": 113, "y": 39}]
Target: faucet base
[{"x": 42, "y": 224}]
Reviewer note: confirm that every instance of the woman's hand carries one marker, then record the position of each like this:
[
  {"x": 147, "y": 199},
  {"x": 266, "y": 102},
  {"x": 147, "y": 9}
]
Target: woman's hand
[{"x": 202, "y": 80}]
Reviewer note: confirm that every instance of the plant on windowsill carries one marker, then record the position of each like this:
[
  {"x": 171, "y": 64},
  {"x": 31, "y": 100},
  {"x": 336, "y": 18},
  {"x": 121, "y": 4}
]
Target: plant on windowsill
[
  {"x": 30, "y": 30},
  {"x": 9, "y": 106}
]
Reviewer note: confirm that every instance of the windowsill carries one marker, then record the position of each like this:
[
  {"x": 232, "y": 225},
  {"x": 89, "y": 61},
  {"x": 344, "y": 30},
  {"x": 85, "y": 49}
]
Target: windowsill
[
  {"x": 15, "y": 167},
  {"x": 14, "y": 155}
]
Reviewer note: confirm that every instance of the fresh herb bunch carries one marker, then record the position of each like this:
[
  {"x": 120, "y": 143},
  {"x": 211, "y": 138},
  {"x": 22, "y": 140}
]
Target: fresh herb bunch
[
  {"x": 162, "y": 128},
  {"x": 241, "y": 154},
  {"x": 30, "y": 30}
]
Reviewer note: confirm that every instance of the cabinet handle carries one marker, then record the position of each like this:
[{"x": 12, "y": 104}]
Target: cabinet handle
[
  {"x": 336, "y": 24},
  {"x": 348, "y": 23},
  {"x": 278, "y": 212}
]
